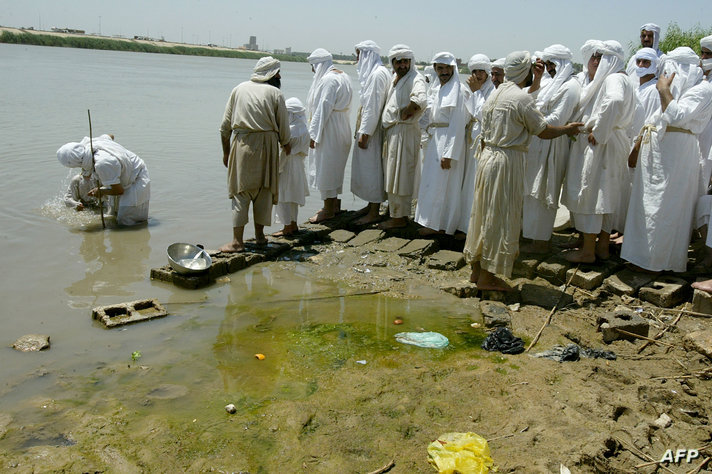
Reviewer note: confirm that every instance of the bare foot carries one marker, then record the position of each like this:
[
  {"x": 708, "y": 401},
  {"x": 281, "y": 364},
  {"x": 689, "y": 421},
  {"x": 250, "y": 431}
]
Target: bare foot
[
  {"x": 493, "y": 283},
  {"x": 617, "y": 240},
  {"x": 321, "y": 216},
  {"x": 261, "y": 242},
  {"x": 576, "y": 244},
  {"x": 536, "y": 246},
  {"x": 232, "y": 247},
  {"x": 363, "y": 211},
  {"x": 282, "y": 233},
  {"x": 396, "y": 223},
  {"x": 636, "y": 268},
  {"x": 579, "y": 256},
  {"x": 475, "y": 275},
  {"x": 703, "y": 285},
  {"x": 368, "y": 219},
  {"x": 426, "y": 231}
]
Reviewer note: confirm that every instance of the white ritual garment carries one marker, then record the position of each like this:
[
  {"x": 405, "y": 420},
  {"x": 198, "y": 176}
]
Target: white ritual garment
[
  {"x": 474, "y": 128},
  {"x": 666, "y": 181},
  {"x": 546, "y": 165},
  {"x": 330, "y": 129},
  {"x": 292, "y": 175},
  {"x": 367, "y": 165},
  {"x": 439, "y": 192},
  {"x": 595, "y": 172}
]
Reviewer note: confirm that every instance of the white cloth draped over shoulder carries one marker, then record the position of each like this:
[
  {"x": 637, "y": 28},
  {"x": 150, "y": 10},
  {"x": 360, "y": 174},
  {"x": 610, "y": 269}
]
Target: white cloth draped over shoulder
[
  {"x": 665, "y": 188},
  {"x": 367, "y": 164},
  {"x": 329, "y": 100},
  {"x": 439, "y": 191}
]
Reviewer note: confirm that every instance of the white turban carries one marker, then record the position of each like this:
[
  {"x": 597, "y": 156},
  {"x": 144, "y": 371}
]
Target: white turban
[
  {"x": 429, "y": 73},
  {"x": 401, "y": 51},
  {"x": 479, "y": 62},
  {"x": 450, "y": 91},
  {"x": 444, "y": 58},
  {"x": 266, "y": 68},
  {"x": 294, "y": 105},
  {"x": 651, "y": 55},
  {"x": 319, "y": 55},
  {"x": 611, "y": 62},
  {"x": 499, "y": 63},
  {"x": 369, "y": 60},
  {"x": 556, "y": 51},
  {"x": 297, "y": 117},
  {"x": 322, "y": 61},
  {"x": 656, "y": 33},
  {"x": 706, "y": 42},
  {"x": 561, "y": 56},
  {"x": 685, "y": 64},
  {"x": 517, "y": 66},
  {"x": 75, "y": 155}
]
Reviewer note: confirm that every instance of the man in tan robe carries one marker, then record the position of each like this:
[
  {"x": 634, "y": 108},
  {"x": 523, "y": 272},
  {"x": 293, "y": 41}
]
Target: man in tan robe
[
  {"x": 256, "y": 118},
  {"x": 509, "y": 118}
]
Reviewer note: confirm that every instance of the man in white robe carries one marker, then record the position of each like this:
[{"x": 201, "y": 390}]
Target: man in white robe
[
  {"x": 649, "y": 38},
  {"x": 122, "y": 174},
  {"x": 509, "y": 118},
  {"x": 328, "y": 104},
  {"x": 497, "y": 72},
  {"x": 256, "y": 120},
  {"x": 443, "y": 168},
  {"x": 405, "y": 103},
  {"x": 546, "y": 160},
  {"x": 366, "y": 160},
  {"x": 599, "y": 159},
  {"x": 704, "y": 203},
  {"x": 664, "y": 193},
  {"x": 481, "y": 86}
]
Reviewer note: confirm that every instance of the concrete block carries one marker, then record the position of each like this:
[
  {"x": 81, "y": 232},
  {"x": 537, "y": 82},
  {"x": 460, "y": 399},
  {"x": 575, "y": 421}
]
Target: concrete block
[
  {"x": 525, "y": 267},
  {"x": 446, "y": 260},
  {"x": 128, "y": 313},
  {"x": 626, "y": 282},
  {"x": 466, "y": 290},
  {"x": 587, "y": 278},
  {"x": 366, "y": 237},
  {"x": 236, "y": 263},
  {"x": 163, "y": 274},
  {"x": 31, "y": 343},
  {"x": 554, "y": 269},
  {"x": 418, "y": 248},
  {"x": 192, "y": 282},
  {"x": 544, "y": 295},
  {"x": 218, "y": 268},
  {"x": 341, "y": 235},
  {"x": 701, "y": 302},
  {"x": 253, "y": 258},
  {"x": 665, "y": 291},
  {"x": 700, "y": 341},
  {"x": 391, "y": 244},
  {"x": 495, "y": 314},
  {"x": 320, "y": 231},
  {"x": 625, "y": 319},
  {"x": 269, "y": 251}
]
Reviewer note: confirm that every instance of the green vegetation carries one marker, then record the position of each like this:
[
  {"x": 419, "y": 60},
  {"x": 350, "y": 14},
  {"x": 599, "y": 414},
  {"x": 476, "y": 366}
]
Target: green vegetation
[
  {"x": 675, "y": 37},
  {"x": 89, "y": 42}
]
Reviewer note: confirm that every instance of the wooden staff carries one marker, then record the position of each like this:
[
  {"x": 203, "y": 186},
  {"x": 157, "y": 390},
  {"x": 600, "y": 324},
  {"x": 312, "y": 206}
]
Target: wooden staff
[{"x": 98, "y": 188}]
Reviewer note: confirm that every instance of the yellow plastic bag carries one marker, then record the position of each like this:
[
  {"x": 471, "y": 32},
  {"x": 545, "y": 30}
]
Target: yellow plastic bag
[{"x": 463, "y": 453}]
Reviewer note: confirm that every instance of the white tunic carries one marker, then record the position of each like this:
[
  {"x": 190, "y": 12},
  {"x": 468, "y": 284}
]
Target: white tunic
[
  {"x": 595, "y": 172},
  {"x": 664, "y": 192},
  {"x": 366, "y": 165},
  {"x": 329, "y": 127},
  {"x": 439, "y": 194},
  {"x": 115, "y": 164},
  {"x": 292, "y": 174}
]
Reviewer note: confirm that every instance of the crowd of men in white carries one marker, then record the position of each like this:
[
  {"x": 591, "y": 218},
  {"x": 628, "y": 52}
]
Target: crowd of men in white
[{"x": 626, "y": 148}]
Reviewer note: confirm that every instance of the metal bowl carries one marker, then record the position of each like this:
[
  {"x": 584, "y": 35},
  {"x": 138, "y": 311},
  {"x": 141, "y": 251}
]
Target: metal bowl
[{"x": 188, "y": 258}]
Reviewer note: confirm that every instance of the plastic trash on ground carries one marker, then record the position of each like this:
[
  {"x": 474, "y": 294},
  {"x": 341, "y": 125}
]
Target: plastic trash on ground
[
  {"x": 465, "y": 453},
  {"x": 431, "y": 340},
  {"x": 573, "y": 352},
  {"x": 504, "y": 341}
]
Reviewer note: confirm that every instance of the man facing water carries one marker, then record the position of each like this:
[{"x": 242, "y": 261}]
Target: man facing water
[{"x": 256, "y": 118}]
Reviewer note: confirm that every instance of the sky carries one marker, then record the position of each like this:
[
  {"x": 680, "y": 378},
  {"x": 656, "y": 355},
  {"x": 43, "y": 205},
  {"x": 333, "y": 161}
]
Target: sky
[{"x": 461, "y": 27}]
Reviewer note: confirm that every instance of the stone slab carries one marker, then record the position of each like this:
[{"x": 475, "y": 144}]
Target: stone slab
[
  {"x": 554, "y": 269},
  {"x": 701, "y": 302},
  {"x": 625, "y": 319},
  {"x": 315, "y": 231},
  {"x": 162, "y": 274},
  {"x": 128, "y": 313},
  {"x": 586, "y": 277},
  {"x": 446, "y": 260},
  {"x": 235, "y": 263},
  {"x": 544, "y": 295},
  {"x": 525, "y": 267},
  {"x": 341, "y": 235},
  {"x": 700, "y": 341},
  {"x": 466, "y": 290},
  {"x": 192, "y": 282},
  {"x": 626, "y": 282},
  {"x": 391, "y": 244},
  {"x": 495, "y": 314},
  {"x": 418, "y": 248},
  {"x": 665, "y": 291},
  {"x": 31, "y": 343},
  {"x": 366, "y": 237}
]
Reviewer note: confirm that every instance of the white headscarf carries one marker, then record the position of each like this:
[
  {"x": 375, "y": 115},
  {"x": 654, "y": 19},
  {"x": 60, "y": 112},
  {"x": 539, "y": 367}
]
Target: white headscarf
[
  {"x": 587, "y": 50},
  {"x": 685, "y": 64},
  {"x": 611, "y": 62},
  {"x": 706, "y": 42},
  {"x": 479, "y": 62},
  {"x": 561, "y": 56},
  {"x": 517, "y": 66},
  {"x": 429, "y": 73},
  {"x": 75, "y": 155},
  {"x": 498, "y": 63},
  {"x": 450, "y": 91},
  {"x": 656, "y": 33},
  {"x": 266, "y": 68},
  {"x": 401, "y": 51},
  {"x": 297, "y": 117},
  {"x": 651, "y": 55},
  {"x": 368, "y": 60},
  {"x": 322, "y": 61}
]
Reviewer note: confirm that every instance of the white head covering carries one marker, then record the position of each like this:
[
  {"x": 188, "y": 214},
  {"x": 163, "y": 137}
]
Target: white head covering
[
  {"x": 297, "y": 117},
  {"x": 706, "y": 42},
  {"x": 322, "y": 61},
  {"x": 266, "y": 68},
  {"x": 498, "y": 63},
  {"x": 450, "y": 91},
  {"x": 561, "y": 56},
  {"x": 587, "y": 50},
  {"x": 401, "y": 51},
  {"x": 656, "y": 33},
  {"x": 429, "y": 73},
  {"x": 517, "y": 66},
  {"x": 368, "y": 60},
  {"x": 685, "y": 64},
  {"x": 479, "y": 62},
  {"x": 651, "y": 55},
  {"x": 75, "y": 155},
  {"x": 611, "y": 62}
]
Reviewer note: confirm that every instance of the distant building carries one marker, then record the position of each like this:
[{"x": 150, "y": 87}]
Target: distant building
[
  {"x": 252, "y": 45},
  {"x": 278, "y": 51},
  {"x": 288, "y": 50},
  {"x": 68, "y": 30}
]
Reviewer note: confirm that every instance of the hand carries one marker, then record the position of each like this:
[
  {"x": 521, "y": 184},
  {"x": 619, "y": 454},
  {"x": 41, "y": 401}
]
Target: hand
[
  {"x": 93, "y": 192},
  {"x": 312, "y": 144},
  {"x": 363, "y": 141},
  {"x": 80, "y": 207},
  {"x": 225, "y": 160},
  {"x": 473, "y": 83},
  {"x": 664, "y": 82},
  {"x": 287, "y": 149},
  {"x": 408, "y": 111},
  {"x": 592, "y": 139},
  {"x": 445, "y": 163},
  {"x": 572, "y": 128},
  {"x": 538, "y": 69}
]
